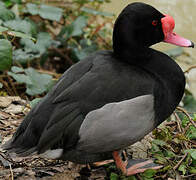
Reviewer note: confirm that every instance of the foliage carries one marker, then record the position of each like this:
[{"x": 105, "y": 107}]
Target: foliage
[
  {"x": 48, "y": 38},
  {"x": 36, "y": 83},
  {"x": 45, "y": 11},
  {"x": 173, "y": 144},
  {"x": 5, "y": 54}
]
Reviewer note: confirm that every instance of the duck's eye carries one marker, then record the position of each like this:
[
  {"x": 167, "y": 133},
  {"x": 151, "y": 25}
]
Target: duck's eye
[{"x": 154, "y": 22}]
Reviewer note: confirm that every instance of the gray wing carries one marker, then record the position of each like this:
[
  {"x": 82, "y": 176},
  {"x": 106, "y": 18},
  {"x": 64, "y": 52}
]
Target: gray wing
[{"x": 117, "y": 125}]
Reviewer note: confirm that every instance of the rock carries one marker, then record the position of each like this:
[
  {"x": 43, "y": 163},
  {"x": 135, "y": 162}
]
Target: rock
[
  {"x": 12, "y": 104},
  {"x": 5, "y": 163},
  {"x": 5, "y": 102},
  {"x": 14, "y": 98},
  {"x": 66, "y": 175},
  {"x": 14, "y": 109},
  {"x": 4, "y": 115},
  {"x": 140, "y": 148},
  {"x": 5, "y": 172}
]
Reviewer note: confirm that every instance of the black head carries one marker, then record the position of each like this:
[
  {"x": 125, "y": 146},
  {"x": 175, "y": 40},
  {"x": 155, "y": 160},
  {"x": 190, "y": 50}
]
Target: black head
[{"x": 137, "y": 27}]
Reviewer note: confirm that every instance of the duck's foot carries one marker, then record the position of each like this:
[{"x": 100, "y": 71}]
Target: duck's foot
[
  {"x": 101, "y": 163},
  {"x": 131, "y": 166}
]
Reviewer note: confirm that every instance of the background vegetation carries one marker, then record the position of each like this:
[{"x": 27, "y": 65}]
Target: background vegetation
[{"x": 39, "y": 40}]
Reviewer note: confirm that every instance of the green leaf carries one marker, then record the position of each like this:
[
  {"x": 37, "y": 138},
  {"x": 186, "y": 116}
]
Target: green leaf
[
  {"x": 166, "y": 168},
  {"x": 16, "y": 69},
  {"x": 6, "y": 14},
  {"x": 66, "y": 33},
  {"x": 114, "y": 176},
  {"x": 192, "y": 153},
  {"x": 21, "y": 26},
  {"x": 84, "y": 52},
  {"x": 86, "y": 47},
  {"x": 33, "y": 50},
  {"x": 8, "y": 3},
  {"x": 155, "y": 148},
  {"x": 3, "y": 29},
  {"x": 1, "y": 85},
  {"x": 23, "y": 56},
  {"x": 159, "y": 142},
  {"x": 50, "y": 12},
  {"x": 34, "y": 102},
  {"x": 44, "y": 41},
  {"x": 185, "y": 121},
  {"x": 170, "y": 154},
  {"x": 45, "y": 11},
  {"x": 149, "y": 173},
  {"x": 194, "y": 162},
  {"x": 189, "y": 102},
  {"x": 15, "y": 33},
  {"x": 191, "y": 132},
  {"x": 78, "y": 25},
  {"x": 36, "y": 83},
  {"x": 194, "y": 117},
  {"x": 21, "y": 35},
  {"x": 130, "y": 178},
  {"x": 21, "y": 78},
  {"x": 192, "y": 170},
  {"x": 74, "y": 29},
  {"x": 39, "y": 82},
  {"x": 32, "y": 8},
  {"x": 182, "y": 168},
  {"x": 160, "y": 158},
  {"x": 5, "y": 54}
]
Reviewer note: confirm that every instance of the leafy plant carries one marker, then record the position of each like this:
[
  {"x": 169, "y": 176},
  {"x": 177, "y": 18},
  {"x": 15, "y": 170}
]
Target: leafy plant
[
  {"x": 5, "y": 54},
  {"x": 47, "y": 12},
  {"x": 36, "y": 83},
  {"x": 46, "y": 37}
]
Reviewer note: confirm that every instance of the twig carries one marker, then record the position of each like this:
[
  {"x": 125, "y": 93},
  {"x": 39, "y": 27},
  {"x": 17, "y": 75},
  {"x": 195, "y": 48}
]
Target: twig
[
  {"x": 178, "y": 122},
  {"x": 187, "y": 114},
  {"x": 178, "y": 164},
  {"x": 68, "y": 59},
  {"x": 49, "y": 72},
  {"x": 189, "y": 69},
  {"x": 161, "y": 177},
  {"x": 13, "y": 87},
  {"x": 188, "y": 176},
  {"x": 12, "y": 174},
  {"x": 192, "y": 142},
  {"x": 187, "y": 127},
  {"x": 11, "y": 161},
  {"x": 98, "y": 28},
  {"x": 6, "y": 86},
  {"x": 138, "y": 176},
  {"x": 103, "y": 40}
]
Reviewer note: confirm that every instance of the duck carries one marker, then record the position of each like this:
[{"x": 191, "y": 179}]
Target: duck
[{"x": 111, "y": 99}]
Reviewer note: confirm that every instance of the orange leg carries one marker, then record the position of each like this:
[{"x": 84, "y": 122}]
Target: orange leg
[
  {"x": 136, "y": 167},
  {"x": 119, "y": 162},
  {"x": 101, "y": 163}
]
